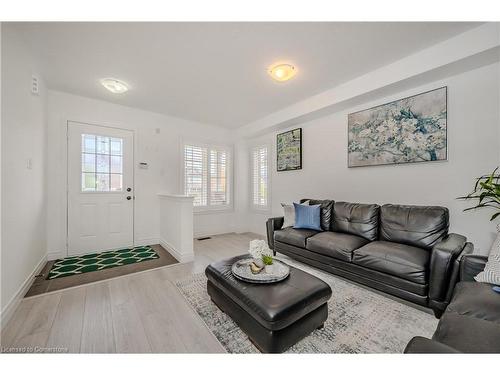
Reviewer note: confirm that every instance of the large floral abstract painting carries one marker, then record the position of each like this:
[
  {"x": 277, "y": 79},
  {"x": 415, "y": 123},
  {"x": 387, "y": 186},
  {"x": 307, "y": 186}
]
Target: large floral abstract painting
[{"x": 408, "y": 130}]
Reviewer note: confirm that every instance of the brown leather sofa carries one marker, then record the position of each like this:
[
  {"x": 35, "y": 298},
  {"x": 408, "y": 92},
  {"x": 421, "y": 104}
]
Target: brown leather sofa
[
  {"x": 471, "y": 322},
  {"x": 402, "y": 250}
]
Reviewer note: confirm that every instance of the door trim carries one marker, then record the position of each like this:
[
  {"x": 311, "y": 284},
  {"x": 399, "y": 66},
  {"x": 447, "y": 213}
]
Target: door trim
[{"x": 67, "y": 175}]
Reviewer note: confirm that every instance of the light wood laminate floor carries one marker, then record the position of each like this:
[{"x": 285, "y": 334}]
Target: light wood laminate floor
[{"x": 137, "y": 313}]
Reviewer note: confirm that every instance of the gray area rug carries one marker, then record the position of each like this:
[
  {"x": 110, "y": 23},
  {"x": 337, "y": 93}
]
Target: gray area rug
[{"x": 359, "y": 320}]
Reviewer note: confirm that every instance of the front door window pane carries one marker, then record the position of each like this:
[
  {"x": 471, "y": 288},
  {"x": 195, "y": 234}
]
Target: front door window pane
[
  {"x": 88, "y": 143},
  {"x": 116, "y": 182},
  {"x": 102, "y": 182},
  {"x": 116, "y": 146},
  {"x": 88, "y": 181},
  {"x": 102, "y": 163},
  {"x": 116, "y": 164},
  {"x": 102, "y": 145},
  {"x": 88, "y": 162}
]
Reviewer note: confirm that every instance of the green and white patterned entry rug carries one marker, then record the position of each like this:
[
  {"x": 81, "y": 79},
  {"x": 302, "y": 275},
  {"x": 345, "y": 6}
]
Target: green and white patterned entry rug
[{"x": 100, "y": 261}]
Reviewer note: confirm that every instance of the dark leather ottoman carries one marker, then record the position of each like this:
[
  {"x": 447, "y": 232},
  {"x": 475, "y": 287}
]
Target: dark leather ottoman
[{"x": 274, "y": 316}]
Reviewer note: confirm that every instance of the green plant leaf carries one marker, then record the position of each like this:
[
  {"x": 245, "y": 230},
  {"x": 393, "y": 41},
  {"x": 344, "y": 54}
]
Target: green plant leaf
[
  {"x": 486, "y": 192},
  {"x": 267, "y": 259},
  {"x": 494, "y": 216}
]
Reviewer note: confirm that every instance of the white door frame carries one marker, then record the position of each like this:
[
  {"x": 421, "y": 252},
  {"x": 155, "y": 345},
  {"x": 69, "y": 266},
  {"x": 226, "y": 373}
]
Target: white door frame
[{"x": 67, "y": 174}]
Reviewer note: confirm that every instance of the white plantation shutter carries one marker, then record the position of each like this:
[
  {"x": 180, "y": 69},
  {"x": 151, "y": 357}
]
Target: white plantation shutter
[
  {"x": 260, "y": 177},
  {"x": 195, "y": 174},
  {"x": 206, "y": 175},
  {"x": 218, "y": 178}
]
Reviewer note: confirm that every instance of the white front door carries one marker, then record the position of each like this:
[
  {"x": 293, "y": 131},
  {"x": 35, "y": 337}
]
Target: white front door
[{"x": 100, "y": 188}]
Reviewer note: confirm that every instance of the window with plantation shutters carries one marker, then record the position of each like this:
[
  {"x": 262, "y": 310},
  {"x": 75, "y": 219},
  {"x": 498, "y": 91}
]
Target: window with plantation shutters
[
  {"x": 195, "y": 174},
  {"x": 260, "y": 174},
  {"x": 206, "y": 176},
  {"x": 218, "y": 178}
]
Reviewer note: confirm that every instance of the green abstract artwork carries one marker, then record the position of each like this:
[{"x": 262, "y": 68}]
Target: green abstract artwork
[{"x": 289, "y": 150}]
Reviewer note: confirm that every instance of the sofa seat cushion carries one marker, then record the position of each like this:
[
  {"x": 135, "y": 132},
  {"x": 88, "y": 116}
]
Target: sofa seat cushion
[
  {"x": 468, "y": 334},
  {"x": 336, "y": 245},
  {"x": 292, "y": 236},
  {"x": 408, "y": 262},
  {"x": 476, "y": 300}
]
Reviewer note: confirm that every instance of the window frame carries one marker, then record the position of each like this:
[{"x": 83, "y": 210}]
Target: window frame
[
  {"x": 254, "y": 207},
  {"x": 209, "y": 208},
  {"x": 96, "y": 154}
]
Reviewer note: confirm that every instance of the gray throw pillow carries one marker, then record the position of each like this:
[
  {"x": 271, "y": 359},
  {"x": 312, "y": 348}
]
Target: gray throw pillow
[
  {"x": 289, "y": 214},
  {"x": 491, "y": 272}
]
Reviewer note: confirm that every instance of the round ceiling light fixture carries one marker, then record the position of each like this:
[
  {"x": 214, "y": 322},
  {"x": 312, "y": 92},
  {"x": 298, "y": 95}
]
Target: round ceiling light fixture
[
  {"x": 282, "y": 72},
  {"x": 114, "y": 85}
]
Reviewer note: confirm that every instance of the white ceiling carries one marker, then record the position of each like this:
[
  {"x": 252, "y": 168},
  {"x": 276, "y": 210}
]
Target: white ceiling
[{"x": 216, "y": 73}]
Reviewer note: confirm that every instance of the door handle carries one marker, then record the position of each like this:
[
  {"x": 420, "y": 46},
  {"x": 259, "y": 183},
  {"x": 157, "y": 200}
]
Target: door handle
[
  {"x": 129, "y": 197},
  {"x": 129, "y": 189}
]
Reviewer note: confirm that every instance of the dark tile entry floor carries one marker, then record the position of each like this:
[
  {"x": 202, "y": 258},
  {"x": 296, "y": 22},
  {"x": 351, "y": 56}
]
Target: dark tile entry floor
[{"x": 42, "y": 285}]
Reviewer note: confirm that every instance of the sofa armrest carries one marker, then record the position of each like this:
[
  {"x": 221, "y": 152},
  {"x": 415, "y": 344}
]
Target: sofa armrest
[
  {"x": 273, "y": 224},
  {"x": 471, "y": 265},
  {"x": 443, "y": 261},
  {"x": 455, "y": 274},
  {"x": 422, "y": 345}
]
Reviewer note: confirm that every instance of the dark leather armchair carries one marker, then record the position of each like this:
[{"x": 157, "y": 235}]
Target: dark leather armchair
[
  {"x": 471, "y": 265},
  {"x": 470, "y": 323}
]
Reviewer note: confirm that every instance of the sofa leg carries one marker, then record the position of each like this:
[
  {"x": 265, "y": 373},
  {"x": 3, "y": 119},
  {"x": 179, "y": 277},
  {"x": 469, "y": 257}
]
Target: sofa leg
[
  {"x": 437, "y": 313},
  {"x": 321, "y": 326}
]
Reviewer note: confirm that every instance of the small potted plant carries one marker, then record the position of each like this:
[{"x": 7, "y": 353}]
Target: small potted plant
[
  {"x": 268, "y": 262},
  {"x": 262, "y": 256}
]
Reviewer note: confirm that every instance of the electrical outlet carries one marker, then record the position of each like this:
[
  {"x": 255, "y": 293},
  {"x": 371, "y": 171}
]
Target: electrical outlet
[{"x": 35, "y": 89}]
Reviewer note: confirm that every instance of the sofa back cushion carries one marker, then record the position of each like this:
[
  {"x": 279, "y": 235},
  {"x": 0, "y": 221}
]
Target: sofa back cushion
[
  {"x": 356, "y": 218},
  {"x": 326, "y": 211},
  {"x": 421, "y": 226}
]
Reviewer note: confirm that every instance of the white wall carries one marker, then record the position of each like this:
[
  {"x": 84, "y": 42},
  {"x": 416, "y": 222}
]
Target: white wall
[
  {"x": 23, "y": 189},
  {"x": 1, "y": 292},
  {"x": 161, "y": 151},
  {"x": 473, "y": 144}
]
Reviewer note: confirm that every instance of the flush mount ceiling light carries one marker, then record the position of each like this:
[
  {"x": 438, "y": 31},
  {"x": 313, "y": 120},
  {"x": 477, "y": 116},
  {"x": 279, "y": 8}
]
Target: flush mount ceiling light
[
  {"x": 282, "y": 72},
  {"x": 114, "y": 85}
]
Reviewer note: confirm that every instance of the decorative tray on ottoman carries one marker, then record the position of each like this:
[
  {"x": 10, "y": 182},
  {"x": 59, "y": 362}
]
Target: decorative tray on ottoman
[{"x": 241, "y": 270}]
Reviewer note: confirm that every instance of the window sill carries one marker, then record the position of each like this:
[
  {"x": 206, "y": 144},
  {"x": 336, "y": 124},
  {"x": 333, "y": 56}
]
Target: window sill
[
  {"x": 210, "y": 211},
  {"x": 260, "y": 210}
]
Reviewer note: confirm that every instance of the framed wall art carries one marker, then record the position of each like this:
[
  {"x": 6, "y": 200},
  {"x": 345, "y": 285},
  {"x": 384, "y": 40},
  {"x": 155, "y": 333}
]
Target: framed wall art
[
  {"x": 289, "y": 150},
  {"x": 408, "y": 130}
]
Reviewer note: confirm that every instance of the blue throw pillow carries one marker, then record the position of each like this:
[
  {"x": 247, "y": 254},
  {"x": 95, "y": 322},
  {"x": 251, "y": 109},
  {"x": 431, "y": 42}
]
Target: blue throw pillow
[{"x": 307, "y": 217}]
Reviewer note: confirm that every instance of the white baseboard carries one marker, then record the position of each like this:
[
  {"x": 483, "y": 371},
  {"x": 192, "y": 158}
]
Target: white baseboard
[
  {"x": 56, "y": 255},
  {"x": 146, "y": 242},
  {"x": 212, "y": 233},
  {"x": 182, "y": 258},
  {"x": 14, "y": 302}
]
